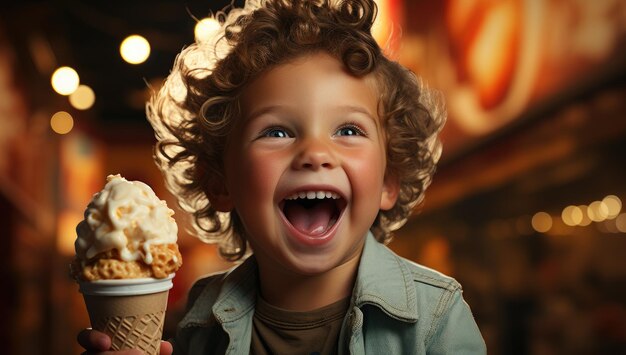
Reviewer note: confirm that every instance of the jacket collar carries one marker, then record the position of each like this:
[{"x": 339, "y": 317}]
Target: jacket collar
[
  {"x": 236, "y": 297},
  {"x": 385, "y": 281}
]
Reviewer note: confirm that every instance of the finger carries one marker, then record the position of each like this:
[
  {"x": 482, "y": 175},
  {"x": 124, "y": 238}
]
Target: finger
[
  {"x": 166, "y": 348},
  {"x": 93, "y": 340},
  {"x": 117, "y": 352},
  {"x": 126, "y": 352}
]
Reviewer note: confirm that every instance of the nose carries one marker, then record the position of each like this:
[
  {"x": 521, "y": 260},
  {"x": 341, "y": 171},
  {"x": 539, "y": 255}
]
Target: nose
[{"x": 314, "y": 155}]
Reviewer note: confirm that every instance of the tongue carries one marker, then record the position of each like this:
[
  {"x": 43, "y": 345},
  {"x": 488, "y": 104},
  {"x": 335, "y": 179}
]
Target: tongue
[{"x": 312, "y": 221}]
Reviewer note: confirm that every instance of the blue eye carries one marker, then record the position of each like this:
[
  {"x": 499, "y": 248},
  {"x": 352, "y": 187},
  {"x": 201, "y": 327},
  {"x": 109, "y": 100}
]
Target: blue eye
[
  {"x": 350, "y": 130},
  {"x": 275, "y": 132}
]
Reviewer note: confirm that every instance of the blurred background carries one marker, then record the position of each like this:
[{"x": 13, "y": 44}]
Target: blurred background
[{"x": 525, "y": 209}]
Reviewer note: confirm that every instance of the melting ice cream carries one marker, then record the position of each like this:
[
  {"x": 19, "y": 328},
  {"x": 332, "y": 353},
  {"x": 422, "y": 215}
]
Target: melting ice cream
[{"x": 128, "y": 232}]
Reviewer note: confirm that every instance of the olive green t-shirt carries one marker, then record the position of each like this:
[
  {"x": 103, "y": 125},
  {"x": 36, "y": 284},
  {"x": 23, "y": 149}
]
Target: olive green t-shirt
[{"x": 278, "y": 331}]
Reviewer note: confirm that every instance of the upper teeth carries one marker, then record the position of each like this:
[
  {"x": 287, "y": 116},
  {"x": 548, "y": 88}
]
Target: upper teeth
[{"x": 311, "y": 195}]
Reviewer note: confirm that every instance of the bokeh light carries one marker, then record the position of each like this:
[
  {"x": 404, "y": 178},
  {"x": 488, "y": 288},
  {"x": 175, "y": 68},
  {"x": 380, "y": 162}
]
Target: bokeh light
[
  {"x": 541, "y": 222},
  {"x": 572, "y": 215},
  {"x": 62, "y": 122},
  {"x": 620, "y": 222},
  {"x": 65, "y": 80},
  {"x": 83, "y": 98},
  {"x": 613, "y": 204},
  {"x": 586, "y": 220},
  {"x": 135, "y": 49},
  {"x": 597, "y": 211},
  {"x": 610, "y": 226},
  {"x": 205, "y": 29}
]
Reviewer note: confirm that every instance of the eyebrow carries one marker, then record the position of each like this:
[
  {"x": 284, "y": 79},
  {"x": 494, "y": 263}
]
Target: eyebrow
[
  {"x": 264, "y": 110},
  {"x": 281, "y": 107},
  {"x": 358, "y": 109}
]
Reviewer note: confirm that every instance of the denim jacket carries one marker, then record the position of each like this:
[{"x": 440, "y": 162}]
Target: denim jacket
[{"x": 397, "y": 307}]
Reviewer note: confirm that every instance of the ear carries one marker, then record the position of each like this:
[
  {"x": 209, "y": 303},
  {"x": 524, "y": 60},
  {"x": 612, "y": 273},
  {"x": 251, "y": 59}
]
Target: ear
[
  {"x": 391, "y": 189},
  {"x": 219, "y": 197}
]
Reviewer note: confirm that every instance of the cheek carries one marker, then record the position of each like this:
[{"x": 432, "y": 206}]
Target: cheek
[
  {"x": 256, "y": 176},
  {"x": 367, "y": 170}
]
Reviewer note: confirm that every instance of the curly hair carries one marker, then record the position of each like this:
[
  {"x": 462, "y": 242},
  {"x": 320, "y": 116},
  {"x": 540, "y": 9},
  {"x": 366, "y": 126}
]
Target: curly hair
[{"x": 198, "y": 105}]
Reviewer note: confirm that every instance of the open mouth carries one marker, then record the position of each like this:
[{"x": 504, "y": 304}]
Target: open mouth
[{"x": 313, "y": 213}]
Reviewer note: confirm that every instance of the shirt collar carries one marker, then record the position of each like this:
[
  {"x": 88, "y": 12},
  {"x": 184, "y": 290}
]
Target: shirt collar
[{"x": 385, "y": 281}]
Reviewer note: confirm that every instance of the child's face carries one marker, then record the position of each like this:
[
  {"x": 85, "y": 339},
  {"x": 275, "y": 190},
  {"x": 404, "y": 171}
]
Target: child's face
[{"x": 308, "y": 129}]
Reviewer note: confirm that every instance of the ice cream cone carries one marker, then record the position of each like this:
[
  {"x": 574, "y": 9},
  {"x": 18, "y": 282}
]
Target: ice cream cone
[
  {"x": 126, "y": 257},
  {"x": 130, "y": 311}
]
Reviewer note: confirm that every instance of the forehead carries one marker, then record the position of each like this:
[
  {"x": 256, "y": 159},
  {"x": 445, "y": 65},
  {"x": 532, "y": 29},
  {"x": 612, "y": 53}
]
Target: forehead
[{"x": 312, "y": 78}]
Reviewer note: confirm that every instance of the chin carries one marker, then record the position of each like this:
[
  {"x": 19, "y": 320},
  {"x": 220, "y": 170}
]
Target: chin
[{"x": 310, "y": 265}]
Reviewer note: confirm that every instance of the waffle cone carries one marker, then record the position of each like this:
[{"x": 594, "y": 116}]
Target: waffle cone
[{"x": 132, "y": 322}]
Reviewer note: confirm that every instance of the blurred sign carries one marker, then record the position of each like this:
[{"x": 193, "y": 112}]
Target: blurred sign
[{"x": 495, "y": 59}]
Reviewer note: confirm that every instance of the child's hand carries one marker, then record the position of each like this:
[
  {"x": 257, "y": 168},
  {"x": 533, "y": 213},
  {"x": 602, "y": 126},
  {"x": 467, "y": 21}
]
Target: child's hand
[{"x": 96, "y": 342}]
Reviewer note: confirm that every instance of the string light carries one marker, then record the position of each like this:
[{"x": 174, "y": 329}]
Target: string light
[
  {"x": 606, "y": 214},
  {"x": 603, "y": 211}
]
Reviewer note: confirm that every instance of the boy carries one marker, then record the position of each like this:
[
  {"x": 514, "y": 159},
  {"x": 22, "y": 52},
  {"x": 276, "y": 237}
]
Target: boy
[{"x": 294, "y": 135}]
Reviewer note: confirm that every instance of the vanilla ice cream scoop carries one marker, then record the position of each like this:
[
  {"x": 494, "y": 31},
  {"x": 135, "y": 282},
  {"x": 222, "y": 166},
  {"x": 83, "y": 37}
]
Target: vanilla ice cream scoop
[{"x": 126, "y": 216}]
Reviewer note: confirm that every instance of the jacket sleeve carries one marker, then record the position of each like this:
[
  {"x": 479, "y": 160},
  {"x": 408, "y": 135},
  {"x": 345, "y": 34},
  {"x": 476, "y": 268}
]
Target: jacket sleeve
[{"x": 456, "y": 331}]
